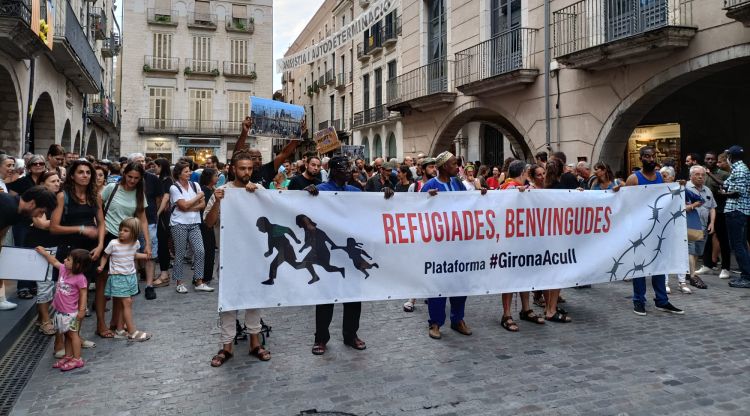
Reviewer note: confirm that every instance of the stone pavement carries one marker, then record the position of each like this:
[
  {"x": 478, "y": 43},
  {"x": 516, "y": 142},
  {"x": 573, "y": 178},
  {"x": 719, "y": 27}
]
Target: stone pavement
[{"x": 607, "y": 362}]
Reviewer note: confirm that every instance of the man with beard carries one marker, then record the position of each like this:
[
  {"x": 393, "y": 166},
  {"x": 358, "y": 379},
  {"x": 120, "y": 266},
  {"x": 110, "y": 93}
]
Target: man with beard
[
  {"x": 428, "y": 172},
  {"x": 308, "y": 177},
  {"x": 242, "y": 169},
  {"x": 719, "y": 242},
  {"x": 649, "y": 176}
]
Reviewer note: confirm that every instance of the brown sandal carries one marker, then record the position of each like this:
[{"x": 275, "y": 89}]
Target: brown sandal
[
  {"x": 507, "y": 323},
  {"x": 531, "y": 317},
  {"x": 160, "y": 283},
  {"x": 319, "y": 348},
  {"x": 261, "y": 353},
  {"x": 220, "y": 358}
]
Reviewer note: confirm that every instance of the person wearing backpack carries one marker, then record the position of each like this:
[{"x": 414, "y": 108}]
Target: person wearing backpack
[{"x": 186, "y": 202}]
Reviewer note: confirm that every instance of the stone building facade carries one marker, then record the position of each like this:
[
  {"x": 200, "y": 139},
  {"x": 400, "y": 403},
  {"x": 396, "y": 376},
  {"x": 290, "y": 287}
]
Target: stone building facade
[
  {"x": 58, "y": 91},
  {"x": 189, "y": 75},
  {"x": 473, "y": 76}
]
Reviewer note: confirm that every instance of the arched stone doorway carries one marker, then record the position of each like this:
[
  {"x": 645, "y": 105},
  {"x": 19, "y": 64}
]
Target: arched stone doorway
[
  {"x": 392, "y": 151},
  {"x": 77, "y": 143},
  {"x": 92, "y": 146},
  {"x": 42, "y": 125},
  {"x": 10, "y": 115},
  {"x": 366, "y": 144},
  {"x": 613, "y": 138},
  {"x": 377, "y": 147},
  {"x": 66, "y": 140},
  {"x": 475, "y": 111}
]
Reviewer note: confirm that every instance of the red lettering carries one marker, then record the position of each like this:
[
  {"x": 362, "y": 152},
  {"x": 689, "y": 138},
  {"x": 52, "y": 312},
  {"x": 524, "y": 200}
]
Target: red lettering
[
  {"x": 519, "y": 223},
  {"x": 388, "y": 230},
  {"x": 437, "y": 230},
  {"x": 599, "y": 210},
  {"x": 607, "y": 213},
  {"x": 479, "y": 224},
  {"x": 401, "y": 228},
  {"x": 424, "y": 225},
  {"x": 468, "y": 225},
  {"x": 412, "y": 227},
  {"x": 510, "y": 228},
  {"x": 490, "y": 217},
  {"x": 590, "y": 220},
  {"x": 569, "y": 218},
  {"x": 447, "y": 226}
]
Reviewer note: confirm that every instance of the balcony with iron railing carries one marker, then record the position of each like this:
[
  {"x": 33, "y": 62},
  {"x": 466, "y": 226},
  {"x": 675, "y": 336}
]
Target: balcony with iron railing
[
  {"x": 162, "y": 17},
  {"x": 341, "y": 81},
  {"x": 738, "y": 10},
  {"x": 187, "y": 126},
  {"x": 98, "y": 22},
  {"x": 103, "y": 112},
  {"x": 390, "y": 31},
  {"x": 17, "y": 39},
  {"x": 599, "y": 34},
  {"x": 498, "y": 65},
  {"x": 240, "y": 24},
  {"x": 375, "y": 42},
  {"x": 323, "y": 125},
  {"x": 72, "y": 53},
  {"x": 111, "y": 46},
  {"x": 161, "y": 64},
  {"x": 240, "y": 70},
  {"x": 202, "y": 21},
  {"x": 362, "y": 54},
  {"x": 201, "y": 67},
  {"x": 322, "y": 82},
  {"x": 330, "y": 77},
  {"x": 372, "y": 115},
  {"x": 425, "y": 88}
]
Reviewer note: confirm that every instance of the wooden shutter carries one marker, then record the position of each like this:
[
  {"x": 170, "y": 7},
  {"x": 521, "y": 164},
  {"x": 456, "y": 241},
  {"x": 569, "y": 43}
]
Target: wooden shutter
[
  {"x": 239, "y": 11},
  {"x": 202, "y": 8}
]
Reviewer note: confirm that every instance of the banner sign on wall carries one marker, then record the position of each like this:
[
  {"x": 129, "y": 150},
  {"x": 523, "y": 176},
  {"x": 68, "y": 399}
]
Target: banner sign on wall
[
  {"x": 326, "y": 140},
  {"x": 291, "y": 248},
  {"x": 375, "y": 12}
]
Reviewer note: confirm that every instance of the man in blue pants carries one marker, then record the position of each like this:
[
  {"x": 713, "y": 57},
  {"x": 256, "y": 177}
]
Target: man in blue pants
[
  {"x": 737, "y": 212},
  {"x": 648, "y": 175}
]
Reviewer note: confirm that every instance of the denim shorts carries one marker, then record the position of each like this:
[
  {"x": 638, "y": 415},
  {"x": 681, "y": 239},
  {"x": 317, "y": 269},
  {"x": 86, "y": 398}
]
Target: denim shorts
[
  {"x": 696, "y": 248},
  {"x": 121, "y": 285},
  {"x": 154, "y": 241}
]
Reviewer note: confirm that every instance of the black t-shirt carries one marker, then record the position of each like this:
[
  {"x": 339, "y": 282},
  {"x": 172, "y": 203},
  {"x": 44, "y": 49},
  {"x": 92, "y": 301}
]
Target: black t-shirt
[
  {"x": 264, "y": 175},
  {"x": 22, "y": 185},
  {"x": 568, "y": 181},
  {"x": 154, "y": 190},
  {"x": 300, "y": 182},
  {"x": 9, "y": 211},
  {"x": 402, "y": 188},
  {"x": 38, "y": 237}
]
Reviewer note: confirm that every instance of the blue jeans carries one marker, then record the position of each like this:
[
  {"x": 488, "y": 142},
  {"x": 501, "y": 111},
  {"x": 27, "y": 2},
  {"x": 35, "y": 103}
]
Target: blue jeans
[
  {"x": 660, "y": 290},
  {"x": 737, "y": 230},
  {"x": 436, "y": 308}
]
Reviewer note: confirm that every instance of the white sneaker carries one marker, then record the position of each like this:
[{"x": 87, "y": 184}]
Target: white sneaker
[
  {"x": 204, "y": 288},
  {"x": 181, "y": 289},
  {"x": 685, "y": 289},
  {"x": 669, "y": 290},
  {"x": 724, "y": 274},
  {"x": 6, "y": 306},
  {"x": 703, "y": 270}
]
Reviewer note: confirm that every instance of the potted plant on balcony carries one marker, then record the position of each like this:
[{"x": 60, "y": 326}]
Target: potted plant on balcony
[
  {"x": 163, "y": 18},
  {"x": 147, "y": 68},
  {"x": 187, "y": 71},
  {"x": 215, "y": 72},
  {"x": 309, "y": 90},
  {"x": 253, "y": 76}
]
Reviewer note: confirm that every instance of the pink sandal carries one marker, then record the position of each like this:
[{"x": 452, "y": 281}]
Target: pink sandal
[
  {"x": 61, "y": 362},
  {"x": 72, "y": 364}
]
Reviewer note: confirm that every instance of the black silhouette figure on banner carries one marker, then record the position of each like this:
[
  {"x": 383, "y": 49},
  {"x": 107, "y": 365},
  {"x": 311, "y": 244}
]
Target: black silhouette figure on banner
[
  {"x": 319, "y": 254},
  {"x": 284, "y": 250},
  {"x": 355, "y": 252}
]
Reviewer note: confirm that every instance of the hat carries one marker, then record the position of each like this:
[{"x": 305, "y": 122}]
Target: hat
[
  {"x": 427, "y": 161},
  {"x": 339, "y": 163},
  {"x": 735, "y": 151},
  {"x": 442, "y": 158}
]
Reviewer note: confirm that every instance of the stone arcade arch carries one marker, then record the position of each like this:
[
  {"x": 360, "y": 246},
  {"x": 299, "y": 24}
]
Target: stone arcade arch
[
  {"x": 42, "y": 125},
  {"x": 11, "y": 132},
  {"x": 476, "y": 111},
  {"x": 92, "y": 145},
  {"x": 613, "y": 137},
  {"x": 77, "y": 143},
  {"x": 66, "y": 140}
]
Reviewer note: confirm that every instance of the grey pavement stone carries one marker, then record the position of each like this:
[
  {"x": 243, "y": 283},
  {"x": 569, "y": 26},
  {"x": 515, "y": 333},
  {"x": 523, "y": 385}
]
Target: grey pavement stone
[{"x": 607, "y": 362}]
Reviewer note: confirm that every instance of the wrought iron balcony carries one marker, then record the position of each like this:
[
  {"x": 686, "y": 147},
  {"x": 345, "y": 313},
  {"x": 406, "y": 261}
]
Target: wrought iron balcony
[
  {"x": 202, "y": 21},
  {"x": 370, "y": 116},
  {"x": 330, "y": 77},
  {"x": 201, "y": 67},
  {"x": 186, "y": 126},
  {"x": 17, "y": 39},
  {"x": 111, "y": 46},
  {"x": 103, "y": 113},
  {"x": 738, "y": 10},
  {"x": 323, "y": 125},
  {"x": 362, "y": 55},
  {"x": 72, "y": 53},
  {"x": 375, "y": 42},
  {"x": 243, "y": 25},
  {"x": 240, "y": 70},
  {"x": 162, "y": 17},
  {"x": 341, "y": 81},
  {"x": 98, "y": 22},
  {"x": 315, "y": 87},
  {"x": 390, "y": 32},
  {"x": 501, "y": 64},
  {"x": 423, "y": 89},
  {"x": 598, "y": 34},
  {"x": 161, "y": 64},
  {"x": 322, "y": 82}
]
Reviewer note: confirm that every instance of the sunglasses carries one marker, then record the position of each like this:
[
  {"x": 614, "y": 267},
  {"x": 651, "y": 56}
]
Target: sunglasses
[{"x": 38, "y": 164}]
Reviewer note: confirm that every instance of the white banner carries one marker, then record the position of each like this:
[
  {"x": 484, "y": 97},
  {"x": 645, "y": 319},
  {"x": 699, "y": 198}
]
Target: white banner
[
  {"x": 374, "y": 12},
  {"x": 354, "y": 246}
]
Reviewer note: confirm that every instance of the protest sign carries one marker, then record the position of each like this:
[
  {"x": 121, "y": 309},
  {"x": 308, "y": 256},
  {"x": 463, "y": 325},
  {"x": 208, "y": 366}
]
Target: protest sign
[
  {"x": 291, "y": 248},
  {"x": 326, "y": 140},
  {"x": 273, "y": 118}
]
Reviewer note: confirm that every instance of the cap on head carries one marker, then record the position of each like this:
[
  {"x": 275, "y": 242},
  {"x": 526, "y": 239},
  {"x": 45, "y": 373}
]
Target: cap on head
[
  {"x": 442, "y": 158},
  {"x": 735, "y": 151},
  {"x": 427, "y": 161}
]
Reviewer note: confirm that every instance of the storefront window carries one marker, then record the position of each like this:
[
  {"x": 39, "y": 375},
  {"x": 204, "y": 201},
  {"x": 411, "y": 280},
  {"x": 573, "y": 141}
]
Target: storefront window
[{"x": 665, "y": 138}]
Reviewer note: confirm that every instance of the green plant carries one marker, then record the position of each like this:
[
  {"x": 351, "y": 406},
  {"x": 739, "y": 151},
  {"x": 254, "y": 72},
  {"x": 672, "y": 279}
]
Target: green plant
[
  {"x": 187, "y": 71},
  {"x": 146, "y": 68},
  {"x": 215, "y": 72},
  {"x": 253, "y": 75},
  {"x": 240, "y": 24},
  {"x": 163, "y": 18}
]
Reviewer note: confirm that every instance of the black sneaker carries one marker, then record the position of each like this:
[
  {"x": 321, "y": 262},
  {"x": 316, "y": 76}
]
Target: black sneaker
[
  {"x": 740, "y": 283},
  {"x": 639, "y": 309},
  {"x": 669, "y": 308},
  {"x": 150, "y": 293}
]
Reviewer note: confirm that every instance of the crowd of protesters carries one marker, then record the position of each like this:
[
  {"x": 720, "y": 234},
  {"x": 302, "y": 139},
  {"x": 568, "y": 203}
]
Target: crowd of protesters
[{"x": 104, "y": 225}]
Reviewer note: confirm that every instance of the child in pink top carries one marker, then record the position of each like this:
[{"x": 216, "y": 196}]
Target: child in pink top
[{"x": 70, "y": 303}]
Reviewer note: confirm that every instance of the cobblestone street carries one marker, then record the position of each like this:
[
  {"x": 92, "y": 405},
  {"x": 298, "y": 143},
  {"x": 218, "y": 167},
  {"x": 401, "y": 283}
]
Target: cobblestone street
[{"x": 607, "y": 362}]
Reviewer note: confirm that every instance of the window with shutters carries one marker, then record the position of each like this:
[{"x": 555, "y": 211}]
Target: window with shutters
[
  {"x": 239, "y": 107},
  {"x": 162, "y": 52},
  {"x": 202, "y": 10},
  {"x": 201, "y": 108},
  {"x": 201, "y": 54},
  {"x": 160, "y": 106},
  {"x": 238, "y": 54}
]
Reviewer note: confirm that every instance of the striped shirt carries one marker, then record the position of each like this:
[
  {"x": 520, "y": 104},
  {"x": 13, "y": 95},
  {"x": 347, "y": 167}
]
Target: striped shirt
[
  {"x": 738, "y": 181},
  {"x": 122, "y": 256}
]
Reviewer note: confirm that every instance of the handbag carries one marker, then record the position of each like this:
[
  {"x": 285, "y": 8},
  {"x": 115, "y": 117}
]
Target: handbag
[{"x": 694, "y": 226}]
